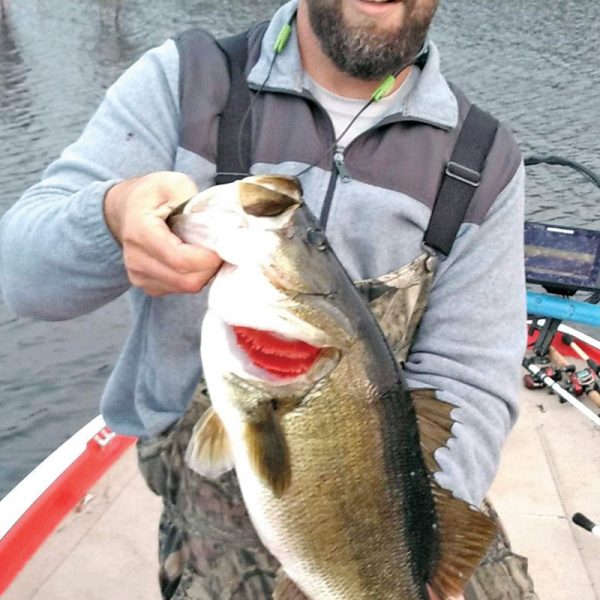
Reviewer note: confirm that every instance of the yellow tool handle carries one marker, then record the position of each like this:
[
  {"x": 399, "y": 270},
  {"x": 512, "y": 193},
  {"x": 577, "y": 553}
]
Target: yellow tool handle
[
  {"x": 594, "y": 396},
  {"x": 557, "y": 358}
]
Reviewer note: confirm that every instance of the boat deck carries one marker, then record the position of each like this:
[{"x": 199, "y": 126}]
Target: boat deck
[
  {"x": 550, "y": 470},
  {"x": 106, "y": 548}
]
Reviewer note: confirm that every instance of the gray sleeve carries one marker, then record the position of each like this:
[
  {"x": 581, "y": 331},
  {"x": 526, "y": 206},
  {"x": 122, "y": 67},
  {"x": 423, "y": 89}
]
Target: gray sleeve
[
  {"x": 58, "y": 259},
  {"x": 471, "y": 342}
]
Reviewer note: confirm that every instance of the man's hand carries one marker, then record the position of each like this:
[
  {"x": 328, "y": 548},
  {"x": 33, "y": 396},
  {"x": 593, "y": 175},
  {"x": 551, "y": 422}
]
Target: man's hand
[{"x": 156, "y": 259}]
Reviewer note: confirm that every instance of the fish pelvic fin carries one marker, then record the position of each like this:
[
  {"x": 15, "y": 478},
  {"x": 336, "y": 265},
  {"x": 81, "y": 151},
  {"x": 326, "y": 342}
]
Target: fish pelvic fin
[
  {"x": 465, "y": 533},
  {"x": 268, "y": 450},
  {"x": 286, "y": 589},
  {"x": 209, "y": 452},
  {"x": 465, "y": 537}
]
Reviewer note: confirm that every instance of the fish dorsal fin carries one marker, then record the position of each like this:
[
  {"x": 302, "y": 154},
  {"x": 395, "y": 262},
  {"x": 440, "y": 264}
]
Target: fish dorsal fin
[
  {"x": 209, "y": 452},
  {"x": 465, "y": 537},
  {"x": 465, "y": 532},
  {"x": 268, "y": 450},
  {"x": 435, "y": 424}
]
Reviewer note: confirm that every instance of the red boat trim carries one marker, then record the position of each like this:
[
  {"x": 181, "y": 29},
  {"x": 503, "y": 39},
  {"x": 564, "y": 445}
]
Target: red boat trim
[{"x": 28, "y": 515}]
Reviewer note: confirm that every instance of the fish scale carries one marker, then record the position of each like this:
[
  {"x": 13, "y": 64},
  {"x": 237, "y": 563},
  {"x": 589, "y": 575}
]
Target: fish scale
[{"x": 372, "y": 550}]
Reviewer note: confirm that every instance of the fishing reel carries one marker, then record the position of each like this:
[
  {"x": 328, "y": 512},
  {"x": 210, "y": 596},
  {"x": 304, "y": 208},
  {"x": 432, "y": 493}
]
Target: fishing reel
[
  {"x": 582, "y": 382},
  {"x": 578, "y": 382},
  {"x": 534, "y": 382}
]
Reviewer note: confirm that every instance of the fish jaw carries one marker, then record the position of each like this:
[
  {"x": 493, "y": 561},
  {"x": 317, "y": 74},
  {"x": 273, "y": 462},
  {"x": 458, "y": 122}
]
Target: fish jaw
[
  {"x": 250, "y": 400},
  {"x": 244, "y": 296},
  {"x": 216, "y": 219},
  {"x": 277, "y": 271},
  {"x": 225, "y": 358}
]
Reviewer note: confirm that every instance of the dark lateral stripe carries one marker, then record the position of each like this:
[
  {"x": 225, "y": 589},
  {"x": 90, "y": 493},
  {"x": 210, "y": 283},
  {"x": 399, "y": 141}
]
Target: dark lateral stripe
[{"x": 409, "y": 481}]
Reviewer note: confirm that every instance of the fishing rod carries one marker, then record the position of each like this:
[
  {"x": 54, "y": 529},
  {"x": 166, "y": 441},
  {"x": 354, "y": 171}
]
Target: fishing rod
[
  {"x": 582, "y": 380},
  {"x": 538, "y": 372},
  {"x": 569, "y": 340},
  {"x": 590, "y": 374}
]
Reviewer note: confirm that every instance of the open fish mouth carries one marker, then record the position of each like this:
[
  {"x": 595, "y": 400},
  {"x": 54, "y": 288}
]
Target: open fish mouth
[
  {"x": 276, "y": 359},
  {"x": 279, "y": 356}
]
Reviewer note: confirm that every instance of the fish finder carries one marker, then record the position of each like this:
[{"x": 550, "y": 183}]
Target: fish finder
[{"x": 563, "y": 260}]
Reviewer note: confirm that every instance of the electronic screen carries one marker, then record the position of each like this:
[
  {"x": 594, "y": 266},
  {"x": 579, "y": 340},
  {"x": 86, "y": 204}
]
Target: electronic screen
[{"x": 563, "y": 257}]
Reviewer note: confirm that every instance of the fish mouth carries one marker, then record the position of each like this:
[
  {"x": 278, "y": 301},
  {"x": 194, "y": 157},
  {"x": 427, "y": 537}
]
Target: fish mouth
[{"x": 281, "y": 359}]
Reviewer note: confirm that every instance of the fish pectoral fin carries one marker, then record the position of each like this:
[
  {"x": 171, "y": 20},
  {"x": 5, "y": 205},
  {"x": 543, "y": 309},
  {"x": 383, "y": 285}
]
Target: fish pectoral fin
[
  {"x": 268, "y": 451},
  {"x": 465, "y": 537},
  {"x": 434, "y": 422},
  {"x": 209, "y": 452},
  {"x": 286, "y": 589}
]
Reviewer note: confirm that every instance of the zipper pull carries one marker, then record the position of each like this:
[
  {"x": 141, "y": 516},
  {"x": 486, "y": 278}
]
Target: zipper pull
[{"x": 338, "y": 160}]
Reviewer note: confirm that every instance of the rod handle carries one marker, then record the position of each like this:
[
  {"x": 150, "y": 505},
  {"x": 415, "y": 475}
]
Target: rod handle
[
  {"x": 557, "y": 358},
  {"x": 583, "y": 521},
  {"x": 594, "y": 396},
  {"x": 569, "y": 340},
  {"x": 592, "y": 364}
]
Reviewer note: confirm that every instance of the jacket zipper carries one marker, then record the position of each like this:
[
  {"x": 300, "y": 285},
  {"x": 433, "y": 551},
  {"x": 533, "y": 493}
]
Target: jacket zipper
[
  {"x": 339, "y": 168},
  {"x": 340, "y": 165}
]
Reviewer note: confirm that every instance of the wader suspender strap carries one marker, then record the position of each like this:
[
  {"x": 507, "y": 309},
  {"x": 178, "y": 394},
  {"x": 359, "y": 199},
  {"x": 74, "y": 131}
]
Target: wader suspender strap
[
  {"x": 460, "y": 179},
  {"x": 235, "y": 124}
]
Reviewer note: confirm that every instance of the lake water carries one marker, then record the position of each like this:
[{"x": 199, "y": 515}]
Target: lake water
[{"x": 533, "y": 64}]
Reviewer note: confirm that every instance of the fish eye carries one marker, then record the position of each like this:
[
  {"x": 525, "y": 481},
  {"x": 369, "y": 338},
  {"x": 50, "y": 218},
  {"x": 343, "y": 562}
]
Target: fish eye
[{"x": 316, "y": 237}]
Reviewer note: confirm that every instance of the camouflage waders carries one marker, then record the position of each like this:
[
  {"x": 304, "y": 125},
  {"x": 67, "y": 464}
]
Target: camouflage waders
[{"x": 208, "y": 548}]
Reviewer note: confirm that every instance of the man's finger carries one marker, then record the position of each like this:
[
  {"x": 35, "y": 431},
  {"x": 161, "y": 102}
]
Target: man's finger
[
  {"x": 175, "y": 187},
  {"x": 161, "y": 243},
  {"x": 165, "y": 210},
  {"x": 156, "y": 278}
]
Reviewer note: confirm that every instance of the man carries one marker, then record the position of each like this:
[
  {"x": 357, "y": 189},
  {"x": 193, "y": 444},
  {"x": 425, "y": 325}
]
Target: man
[{"x": 95, "y": 227}]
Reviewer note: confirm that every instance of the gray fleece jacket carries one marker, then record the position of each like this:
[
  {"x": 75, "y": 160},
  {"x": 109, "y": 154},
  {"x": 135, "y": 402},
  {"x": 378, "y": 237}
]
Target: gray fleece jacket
[{"x": 59, "y": 260}]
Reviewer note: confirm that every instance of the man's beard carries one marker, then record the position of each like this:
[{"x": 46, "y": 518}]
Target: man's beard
[{"x": 365, "y": 52}]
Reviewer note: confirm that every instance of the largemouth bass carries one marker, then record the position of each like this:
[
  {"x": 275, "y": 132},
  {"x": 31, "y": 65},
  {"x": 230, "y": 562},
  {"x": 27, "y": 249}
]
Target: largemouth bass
[{"x": 334, "y": 457}]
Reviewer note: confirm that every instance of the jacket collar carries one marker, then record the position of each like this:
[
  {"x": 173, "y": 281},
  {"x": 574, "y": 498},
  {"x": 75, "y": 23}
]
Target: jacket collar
[{"x": 431, "y": 100}]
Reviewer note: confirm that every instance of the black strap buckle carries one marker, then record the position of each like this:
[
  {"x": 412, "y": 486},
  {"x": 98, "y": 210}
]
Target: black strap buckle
[{"x": 462, "y": 173}]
